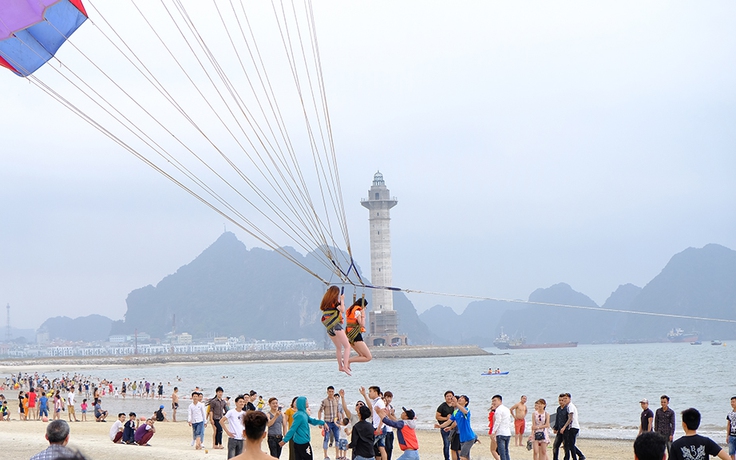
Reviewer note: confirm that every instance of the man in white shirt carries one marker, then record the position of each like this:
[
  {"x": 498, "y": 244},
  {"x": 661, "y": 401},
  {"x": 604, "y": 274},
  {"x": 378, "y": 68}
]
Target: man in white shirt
[
  {"x": 116, "y": 430},
  {"x": 234, "y": 428},
  {"x": 197, "y": 418},
  {"x": 570, "y": 431},
  {"x": 374, "y": 393},
  {"x": 502, "y": 426},
  {"x": 70, "y": 404}
]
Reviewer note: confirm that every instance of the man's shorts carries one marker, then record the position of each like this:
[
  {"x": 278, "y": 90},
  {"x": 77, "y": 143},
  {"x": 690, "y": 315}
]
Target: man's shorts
[
  {"x": 198, "y": 430},
  {"x": 731, "y": 445},
  {"x": 519, "y": 426},
  {"x": 465, "y": 448},
  {"x": 454, "y": 440}
]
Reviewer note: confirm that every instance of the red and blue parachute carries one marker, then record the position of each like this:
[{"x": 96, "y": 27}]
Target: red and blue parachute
[{"x": 31, "y": 31}]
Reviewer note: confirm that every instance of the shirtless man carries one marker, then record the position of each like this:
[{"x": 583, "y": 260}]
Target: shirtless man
[
  {"x": 518, "y": 411},
  {"x": 254, "y": 434},
  {"x": 174, "y": 403}
]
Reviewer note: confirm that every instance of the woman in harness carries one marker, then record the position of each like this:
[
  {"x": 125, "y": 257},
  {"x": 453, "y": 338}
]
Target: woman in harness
[
  {"x": 332, "y": 307},
  {"x": 355, "y": 325}
]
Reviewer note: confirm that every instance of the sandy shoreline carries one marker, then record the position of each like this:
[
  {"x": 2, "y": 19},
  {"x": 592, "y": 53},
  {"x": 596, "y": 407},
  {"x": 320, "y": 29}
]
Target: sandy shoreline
[{"x": 22, "y": 439}]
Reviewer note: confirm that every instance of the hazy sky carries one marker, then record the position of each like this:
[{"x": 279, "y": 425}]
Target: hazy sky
[{"x": 528, "y": 144}]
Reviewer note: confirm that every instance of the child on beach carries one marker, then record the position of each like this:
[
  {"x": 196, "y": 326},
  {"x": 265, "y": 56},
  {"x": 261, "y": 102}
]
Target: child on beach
[
  {"x": 84, "y": 410},
  {"x": 129, "y": 429},
  {"x": 342, "y": 441},
  {"x": 332, "y": 307}
]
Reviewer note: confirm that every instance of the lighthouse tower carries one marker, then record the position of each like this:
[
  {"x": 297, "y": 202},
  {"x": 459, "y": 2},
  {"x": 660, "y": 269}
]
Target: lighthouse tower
[{"x": 383, "y": 319}]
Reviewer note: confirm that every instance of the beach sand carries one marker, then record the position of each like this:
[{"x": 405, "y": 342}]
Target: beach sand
[{"x": 22, "y": 439}]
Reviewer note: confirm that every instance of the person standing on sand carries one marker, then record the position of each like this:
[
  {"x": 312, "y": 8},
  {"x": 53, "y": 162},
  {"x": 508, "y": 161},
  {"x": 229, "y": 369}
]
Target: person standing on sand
[
  {"x": 276, "y": 427},
  {"x": 502, "y": 426},
  {"x": 328, "y": 413},
  {"x": 234, "y": 428},
  {"x": 647, "y": 417},
  {"x": 216, "y": 412},
  {"x": 461, "y": 417},
  {"x": 70, "y": 404},
  {"x": 518, "y": 411},
  {"x": 362, "y": 436},
  {"x": 299, "y": 430},
  {"x": 289, "y": 416},
  {"x": 731, "y": 429},
  {"x": 664, "y": 421},
  {"x": 174, "y": 403},
  {"x": 197, "y": 419},
  {"x": 692, "y": 446},
  {"x": 540, "y": 430},
  {"x": 443, "y": 413},
  {"x": 255, "y": 430},
  {"x": 493, "y": 443},
  {"x": 570, "y": 429},
  {"x": 560, "y": 419}
]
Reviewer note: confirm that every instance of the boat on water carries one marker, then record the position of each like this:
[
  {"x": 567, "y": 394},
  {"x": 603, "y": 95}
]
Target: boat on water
[
  {"x": 495, "y": 373},
  {"x": 697, "y": 342},
  {"x": 504, "y": 342},
  {"x": 678, "y": 335},
  {"x": 716, "y": 342}
]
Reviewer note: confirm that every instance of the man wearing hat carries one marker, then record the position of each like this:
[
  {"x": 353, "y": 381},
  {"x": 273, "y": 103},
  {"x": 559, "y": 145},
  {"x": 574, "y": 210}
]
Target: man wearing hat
[
  {"x": 405, "y": 433},
  {"x": 647, "y": 417},
  {"x": 160, "y": 415}
]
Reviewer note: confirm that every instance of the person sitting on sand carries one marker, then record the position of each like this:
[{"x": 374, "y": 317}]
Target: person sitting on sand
[
  {"x": 254, "y": 434},
  {"x": 145, "y": 432},
  {"x": 100, "y": 415},
  {"x": 160, "y": 415},
  {"x": 116, "y": 430},
  {"x": 129, "y": 429}
]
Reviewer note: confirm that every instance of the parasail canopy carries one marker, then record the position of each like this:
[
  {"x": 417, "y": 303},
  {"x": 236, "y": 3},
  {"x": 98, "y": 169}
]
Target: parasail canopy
[{"x": 31, "y": 31}]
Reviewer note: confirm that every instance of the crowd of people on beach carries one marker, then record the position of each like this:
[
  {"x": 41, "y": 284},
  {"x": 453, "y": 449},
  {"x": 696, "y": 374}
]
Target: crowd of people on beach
[{"x": 368, "y": 432}]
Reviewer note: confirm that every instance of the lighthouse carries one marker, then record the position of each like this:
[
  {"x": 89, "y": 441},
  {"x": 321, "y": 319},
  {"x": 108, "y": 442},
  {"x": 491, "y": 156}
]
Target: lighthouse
[{"x": 383, "y": 320}]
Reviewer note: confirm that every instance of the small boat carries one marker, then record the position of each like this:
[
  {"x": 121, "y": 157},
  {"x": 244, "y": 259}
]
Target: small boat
[
  {"x": 495, "y": 373},
  {"x": 697, "y": 342},
  {"x": 716, "y": 342}
]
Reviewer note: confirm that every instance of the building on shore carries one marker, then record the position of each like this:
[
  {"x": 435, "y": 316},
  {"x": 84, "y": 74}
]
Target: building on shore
[{"x": 383, "y": 319}]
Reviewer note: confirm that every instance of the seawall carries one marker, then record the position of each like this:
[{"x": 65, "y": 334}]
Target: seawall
[{"x": 418, "y": 351}]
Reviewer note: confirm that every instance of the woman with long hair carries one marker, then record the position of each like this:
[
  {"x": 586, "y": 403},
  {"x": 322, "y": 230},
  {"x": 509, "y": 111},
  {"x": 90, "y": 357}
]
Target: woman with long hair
[
  {"x": 332, "y": 307},
  {"x": 355, "y": 326}
]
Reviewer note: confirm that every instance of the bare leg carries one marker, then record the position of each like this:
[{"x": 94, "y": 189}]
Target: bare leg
[
  {"x": 338, "y": 352},
  {"x": 494, "y": 448},
  {"x": 364, "y": 354},
  {"x": 345, "y": 343}
]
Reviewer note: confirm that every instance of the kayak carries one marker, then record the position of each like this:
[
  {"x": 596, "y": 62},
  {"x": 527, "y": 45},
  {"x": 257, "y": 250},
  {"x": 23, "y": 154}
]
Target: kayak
[{"x": 495, "y": 373}]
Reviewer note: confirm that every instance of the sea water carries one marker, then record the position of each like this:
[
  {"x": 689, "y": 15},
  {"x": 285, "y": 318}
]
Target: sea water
[{"x": 606, "y": 382}]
